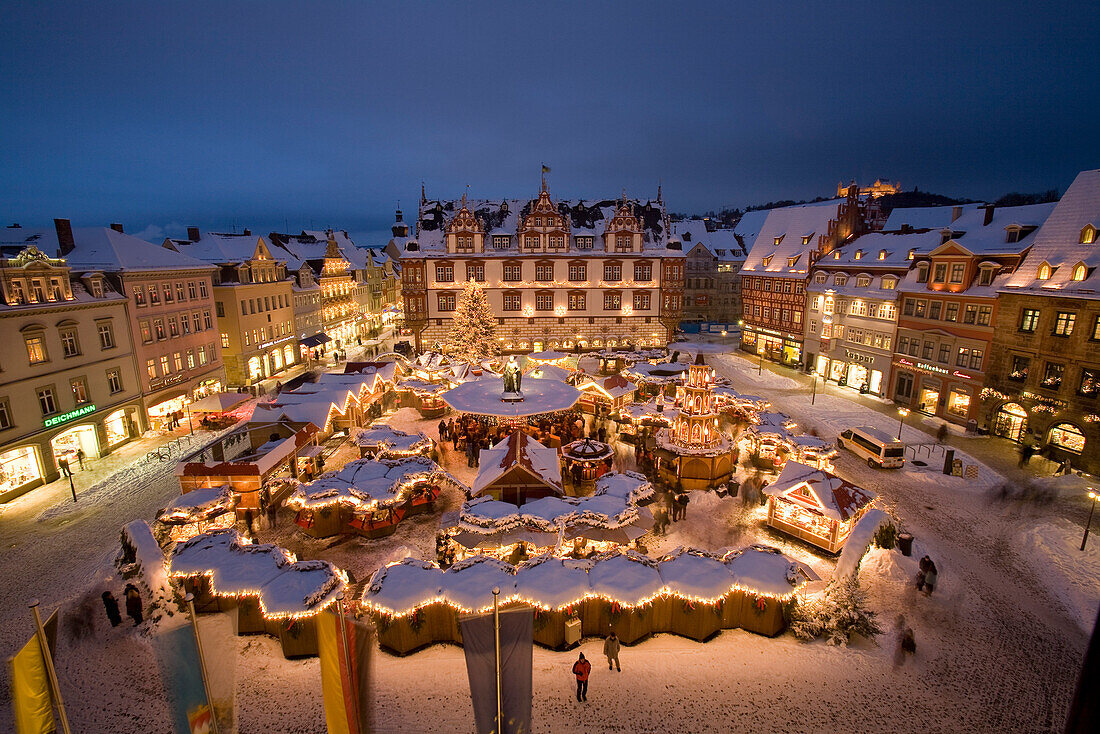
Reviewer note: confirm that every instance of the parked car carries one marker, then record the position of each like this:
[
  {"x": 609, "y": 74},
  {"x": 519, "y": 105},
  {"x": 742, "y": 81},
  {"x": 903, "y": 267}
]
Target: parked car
[{"x": 880, "y": 449}]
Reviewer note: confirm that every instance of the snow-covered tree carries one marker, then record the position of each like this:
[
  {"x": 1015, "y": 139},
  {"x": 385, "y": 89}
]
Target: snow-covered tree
[
  {"x": 473, "y": 332},
  {"x": 842, "y": 613}
]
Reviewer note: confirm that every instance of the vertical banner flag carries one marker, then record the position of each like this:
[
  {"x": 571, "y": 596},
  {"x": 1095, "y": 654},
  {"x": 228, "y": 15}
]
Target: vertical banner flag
[
  {"x": 516, "y": 645},
  {"x": 30, "y": 684},
  {"x": 178, "y": 660},
  {"x": 345, "y": 679}
]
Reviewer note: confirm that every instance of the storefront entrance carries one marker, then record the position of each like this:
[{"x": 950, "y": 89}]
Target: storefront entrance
[
  {"x": 160, "y": 415},
  {"x": 65, "y": 445},
  {"x": 929, "y": 398},
  {"x": 18, "y": 468},
  {"x": 1010, "y": 422}
]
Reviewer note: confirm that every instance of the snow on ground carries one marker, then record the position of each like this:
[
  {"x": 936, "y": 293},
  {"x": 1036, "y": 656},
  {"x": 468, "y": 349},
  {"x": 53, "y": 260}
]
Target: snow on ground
[{"x": 998, "y": 643}]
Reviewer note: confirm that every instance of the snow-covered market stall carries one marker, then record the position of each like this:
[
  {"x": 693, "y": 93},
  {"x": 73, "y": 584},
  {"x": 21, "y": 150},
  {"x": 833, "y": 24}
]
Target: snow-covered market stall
[
  {"x": 586, "y": 460},
  {"x": 815, "y": 505},
  {"x": 266, "y": 586},
  {"x": 518, "y": 469},
  {"x": 381, "y": 441},
  {"x": 368, "y": 496},
  {"x": 688, "y": 592},
  {"x": 253, "y": 460},
  {"x": 199, "y": 511},
  {"x": 613, "y": 517},
  {"x": 605, "y": 395}
]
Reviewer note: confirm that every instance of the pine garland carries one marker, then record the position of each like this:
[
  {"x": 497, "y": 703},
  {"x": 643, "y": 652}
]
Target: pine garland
[{"x": 474, "y": 330}]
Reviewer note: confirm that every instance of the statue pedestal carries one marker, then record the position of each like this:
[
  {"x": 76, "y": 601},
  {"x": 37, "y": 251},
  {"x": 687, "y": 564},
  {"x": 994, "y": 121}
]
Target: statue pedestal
[{"x": 512, "y": 397}]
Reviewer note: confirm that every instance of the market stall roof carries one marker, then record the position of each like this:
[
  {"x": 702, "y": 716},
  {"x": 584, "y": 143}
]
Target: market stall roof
[
  {"x": 520, "y": 451},
  {"x": 399, "y": 587},
  {"x": 219, "y": 402},
  {"x": 613, "y": 386},
  {"x": 658, "y": 410},
  {"x": 819, "y": 491},
  {"x": 764, "y": 570},
  {"x": 198, "y": 504},
  {"x": 302, "y": 589},
  {"x": 365, "y": 482},
  {"x": 777, "y": 419},
  {"x": 483, "y": 397},
  {"x": 587, "y": 449},
  {"x": 627, "y": 577},
  {"x": 548, "y": 372},
  {"x": 469, "y": 584},
  {"x": 385, "y": 438},
  {"x": 630, "y": 485},
  {"x": 315, "y": 341},
  {"x": 553, "y": 583},
  {"x": 695, "y": 574},
  {"x": 505, "y": 537},
  {"x": 660, "y": 373}
]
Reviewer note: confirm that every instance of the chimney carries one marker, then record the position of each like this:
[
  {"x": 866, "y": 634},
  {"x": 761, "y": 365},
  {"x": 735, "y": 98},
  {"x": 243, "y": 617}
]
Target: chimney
[
  {"x": 116, "y": 227},
  {"x": 193, "y": 234},
  {"x": 988, "y": 215},
  {"x": 65, "y": 241},
  {"x": 247, "y": 232},
  {"x": 956, "y": 212}
]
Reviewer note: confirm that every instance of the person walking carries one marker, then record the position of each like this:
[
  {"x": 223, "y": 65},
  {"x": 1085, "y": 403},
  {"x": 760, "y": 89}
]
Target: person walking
[
  {"x": 922, "y": 572},
  {"x": 930, "y": 578},
  {"x": 272, "y": 514},
  {"x": 133, "y": 604},
  {"x": 80, "y": 458},
  {"x": 611, "y": 651},
  {"x": 682, "y": 500},
  {"x": 442, "y": 430},
  {"x": 63, "y": 465},
  {"x": 582, "y": 668},
  {"x": 110, "y": 605},
  {"x": 249, "y": 522}
]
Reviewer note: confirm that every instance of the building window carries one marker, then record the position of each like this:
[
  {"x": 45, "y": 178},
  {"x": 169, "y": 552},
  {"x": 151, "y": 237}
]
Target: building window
[
  {"x": 820, "y": 277},
  {"x": 179, "y": 292},
  {"x": 641, "y": 301},
  {"x": 578, "y": 273},
  {"x": 46, "y": 400},
  {"x": 1029, "y": 320},
  {"x": 1090, "y": 383},
  {"x": 985, "y": 315},
  {"x": 557, "y": 242},
  {"x": 1063, "y": 325},
  {"x": 531, "y": 242},
  {"x": 963, "y": 358},
  {"x": 926, "y": 351},
  {"x": 952, "y": 312},
  {"x": 511, "y": 302},
  {"x": 513, "y": 273},
  {"x": 151, "y": 368},
  {"x": 167, "y": 289},
  {"x": 934, "y": 310},
  {"x": 863, "y": 281},
  {"x": 1044, "y": 272},
  {"x": 544, "y": 301},
  {"x": 643, "y": 273},
  {"x": 80, "y": 390},
  {"x": 544, "y": 272},
  {"x": 976, "y": 359},
  {"x": 154, "y": 295},
  {"x": 907, "y": 308},
  {"x": 576, "y": 302},
  {"x": 612, "y": 301},
  {"x": 185, "y": 325},
  {"x": 190, "y": 359},
  {"x": 921, "y": 309},
  {"x": 36, "y": 349},
  {"x": 1067, "y": 436},
  {"x": 1096, "y": 329},
  {"x": 623, "y": 243},
  {"x": 207, "y": 322},
  {"x": 5, "y": 415},
  {"x": 114, "y": 381},
  {"x": 501, "y": 242},
  {"x": 914, "y": 347},
  {"x": 475, "y": 272},
  {"x": 196, "y": 322},
  {"x": 922, "y": 273},
  {"x": 815, "y": 303},
  {"x": 612, "y": 273},
  {"x": 958, "y": 403},
  {"x": 202, "y": 288},
  {"x": 957, "y": 270},
  {"x": 202, "y": 355},
  {"x": 464, "y": 243},
  {"x": 939, "y": 273},
  {"x": 177, "y": 358},
  {"x": 445, "y": 273},
  {"x": 986, "y": 277},
  {"x": 1088, "y": 235},
  {"x": 191, "y": 290},
  {"x": 970, "y": 314},
  {"x": 173, "y": 327},
  {"x": 945, "y": 354},
  {"x": 446, "y": 301},
  {"x": 165, "y": 368},
  {"x": 69, "y": 345},
  {"x": 584, "y": 243},
  {"x": 1052, "y": 376},
  {"x": 1020, "y": 367},
  {"x": 225, "y": 340},
  {"x": 1080, "y": 271}
]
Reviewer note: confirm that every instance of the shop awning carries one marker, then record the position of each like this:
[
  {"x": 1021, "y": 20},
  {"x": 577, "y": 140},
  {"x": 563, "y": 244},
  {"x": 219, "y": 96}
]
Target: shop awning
[
  {"x": 310, "y": 452},
  {"x": 315, "y": 341},
  {"x": 219, "y": 402}
]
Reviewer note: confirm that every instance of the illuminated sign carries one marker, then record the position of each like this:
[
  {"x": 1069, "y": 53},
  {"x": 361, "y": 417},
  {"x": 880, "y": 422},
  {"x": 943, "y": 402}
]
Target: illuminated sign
[
  {"x": 857, "y": 357},
  {"x": 924, "y": 366},
  {"x": 71, "y": 415}
]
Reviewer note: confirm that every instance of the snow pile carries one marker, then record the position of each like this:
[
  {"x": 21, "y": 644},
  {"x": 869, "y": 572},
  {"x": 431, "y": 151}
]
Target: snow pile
[
  {"x": 1072, "y": 576},
  {"x": 142, "y": 561},
  {"x": 859, "y": 541}
]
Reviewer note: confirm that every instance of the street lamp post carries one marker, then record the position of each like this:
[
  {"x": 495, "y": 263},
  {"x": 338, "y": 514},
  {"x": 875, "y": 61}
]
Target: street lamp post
[
  {"x": 1093, "y": 497},
  {"x": 903, "y": 412},
  {"x": 813, "y": 394},
  {"x": 72, "y": 488}
]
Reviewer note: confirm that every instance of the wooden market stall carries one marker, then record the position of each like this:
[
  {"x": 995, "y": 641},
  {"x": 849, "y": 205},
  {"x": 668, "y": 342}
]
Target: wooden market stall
[
  {"x": 605, "y": 395},
  {"x": 380, "y": 441},
  {"x": 517, "y": 470},
  {"x": 815, "y": 505},
  {"x": 199, "y": 511}
]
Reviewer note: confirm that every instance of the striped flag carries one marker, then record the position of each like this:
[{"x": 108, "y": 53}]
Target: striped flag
[{"x": 345, "y": 678}]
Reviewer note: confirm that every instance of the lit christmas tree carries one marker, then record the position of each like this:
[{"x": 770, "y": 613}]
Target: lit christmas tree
[{"x": 473, "y": 333}]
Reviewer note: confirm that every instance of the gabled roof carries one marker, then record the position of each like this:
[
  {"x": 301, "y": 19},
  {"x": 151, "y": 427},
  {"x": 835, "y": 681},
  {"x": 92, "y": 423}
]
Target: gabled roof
[
  {"x": 791, "y": 225},
  {"x": 925, "y": 217},
  {"x": 1058, "y": 243},
  {"x": 521, "y": 451},
  {"x": 219, "y": 248},
  {"x": 613, "y": 386},
  {"x": 819, "y": 491},
  {"x": 102, "y": 248}
]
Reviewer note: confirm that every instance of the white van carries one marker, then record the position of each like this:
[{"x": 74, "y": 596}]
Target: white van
[{"x": 881, "y": 450}]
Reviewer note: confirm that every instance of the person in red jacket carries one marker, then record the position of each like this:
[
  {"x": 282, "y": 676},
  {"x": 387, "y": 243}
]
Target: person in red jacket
[{"x": 581, "y": 669}]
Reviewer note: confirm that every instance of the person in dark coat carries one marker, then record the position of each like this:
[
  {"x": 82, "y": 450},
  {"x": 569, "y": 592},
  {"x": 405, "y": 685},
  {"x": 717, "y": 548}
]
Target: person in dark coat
[
  {"x": 930, "y": 578},
  {"x": 611, "y": 651},
  {"x": 110, "y": 605},
  {"x": 63, "y": 465},
  {"x": 133, "y": 604},
  {"x": 682, "y": 500},
  {"x": 272, "y": 514},
  {"x": 442, "y": 430},
  {"x": 80, "y": 458},
  {"x": 249, "y": 522},
  {"x": 922, "y": 572},
  {"x": 581, "y": 669}
]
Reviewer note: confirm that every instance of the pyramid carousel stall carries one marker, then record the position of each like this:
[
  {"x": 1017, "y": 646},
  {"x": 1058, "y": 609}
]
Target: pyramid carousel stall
[{"x": 694, "y": 453}]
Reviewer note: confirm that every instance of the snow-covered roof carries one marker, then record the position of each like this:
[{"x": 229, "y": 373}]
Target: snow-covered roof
[
  {"x": 402, "y": 586},
  {"x": 613, "y": 386},
  {"x": 219, "y": 248},
  {"x": 1058, "y": 243},
  {"x": 695, "y": 574},
  {"x": 198, "y": 504},
  {"x": 819, "y": 491},
  {"x": 549, "y": 372},
  {"x": 103, "y": 248},
  {"x": 389, "y": 440},
  {"x": 721, "y": 243},
  {"x": 502, "y": 217},
  {"x": 553, "y": 583},
  {"x": 926, "y": 217},
  {"x": 660, "y": 373},
  {"x": 469, "y": 584},
  {"x": 797, "y": 229},
  {"x": 366, "y": 482},
  {"x": 764, "y": 570},
  {"x": 657, "y": 410},
  {"x": 522, "y": 451},
  {"x": 627, "y": 577},
  {"x": 748, "y": 227},
  {"x": 483, "y": 397}
]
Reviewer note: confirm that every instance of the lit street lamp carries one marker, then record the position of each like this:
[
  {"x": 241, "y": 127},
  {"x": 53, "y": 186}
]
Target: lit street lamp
[
  {"x": 1093, "y": 497},
  {"x": 903, "y": 412}
]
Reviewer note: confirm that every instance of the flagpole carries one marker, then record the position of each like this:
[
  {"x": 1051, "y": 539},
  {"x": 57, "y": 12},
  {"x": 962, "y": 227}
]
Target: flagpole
[
  {"x": 190, "y": 599},
  {"x": 347, "y": 654},
  {"x": 47, "y": 658},
  {"x": 496, "y": 635}
]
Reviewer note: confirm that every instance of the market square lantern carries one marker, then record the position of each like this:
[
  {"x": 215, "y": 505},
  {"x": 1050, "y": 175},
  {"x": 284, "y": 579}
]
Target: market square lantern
[{"x": 815, "y": 505}]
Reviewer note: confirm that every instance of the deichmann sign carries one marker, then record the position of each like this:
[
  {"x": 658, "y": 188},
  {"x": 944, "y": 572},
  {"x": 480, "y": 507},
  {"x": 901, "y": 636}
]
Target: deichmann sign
[{"x": 71, "y": 415}]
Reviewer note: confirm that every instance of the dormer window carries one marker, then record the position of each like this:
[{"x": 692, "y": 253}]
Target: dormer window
[
  {"x": 889, "y": 283},
  {"x": 912, "y": 254},
  {"x": 882, "y": 254},
  {"x": 840, "y": 279},
  {"x": 767, "y": 261},
  {"x": 1079, "y": 271},
  {"x": 859, "y": 254},
  {"x": 1044, "y": 272},
  {"x": 584, "y": 243},
  {"x": 820, "y": 277},
  {"x": 836, "y": 255},
  {"x": 777, "y": 240},
  {"x": 985, "y": 277},
  {"x": 1088, "y": 235},
  {"x": 806, "y": 239},
  {"x": 97, "y": 288},
  {"x": 501, "y": 241},
  {"x": 791, "y": 261},
  {"x": 1012, "y": 234},
  {"x": 922, "y": 273},
  {"x": 863, "y": 281}
]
